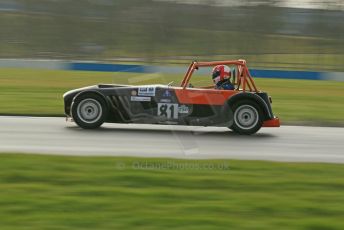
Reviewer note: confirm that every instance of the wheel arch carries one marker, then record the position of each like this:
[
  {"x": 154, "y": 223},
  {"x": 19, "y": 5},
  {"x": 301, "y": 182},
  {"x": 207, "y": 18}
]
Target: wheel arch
[
  {"x": 92, "y": 92},
  {"x": 252, "y": 97},
  {"x": 93, "y": 122},
  {"x": 97, "y": 93}
]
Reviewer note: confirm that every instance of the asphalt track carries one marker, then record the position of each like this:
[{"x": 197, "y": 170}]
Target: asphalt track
[{"x": 56, "y": 136}]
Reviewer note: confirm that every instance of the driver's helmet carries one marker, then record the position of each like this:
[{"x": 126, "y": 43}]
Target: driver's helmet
[{"x": 221, "y": 73}]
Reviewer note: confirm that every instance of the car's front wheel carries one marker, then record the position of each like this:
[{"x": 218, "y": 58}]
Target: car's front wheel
[
  {"x": 89, "y": 111},
  {"x": 247, "y": 117}
]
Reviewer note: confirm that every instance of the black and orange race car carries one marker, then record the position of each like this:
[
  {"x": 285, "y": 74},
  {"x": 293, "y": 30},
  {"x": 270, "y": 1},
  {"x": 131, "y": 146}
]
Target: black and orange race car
[{"x": 244, "y": 109}]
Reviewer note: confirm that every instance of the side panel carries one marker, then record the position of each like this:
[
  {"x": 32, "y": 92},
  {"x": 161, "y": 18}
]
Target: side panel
[
  {"x": 169, "y": 105},
  {"x": 204, "y": 96},
  {"x": 165, "y": 105}
]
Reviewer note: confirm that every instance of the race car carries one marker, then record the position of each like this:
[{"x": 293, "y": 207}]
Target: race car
[{"x": 243, "y": 109}]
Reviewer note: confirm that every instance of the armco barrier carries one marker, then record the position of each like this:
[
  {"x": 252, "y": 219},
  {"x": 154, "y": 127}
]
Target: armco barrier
[
  {"x": 287, "y": 74},
  {"x": 106, "y": 67},
  {"x": 282, "y": 74}
]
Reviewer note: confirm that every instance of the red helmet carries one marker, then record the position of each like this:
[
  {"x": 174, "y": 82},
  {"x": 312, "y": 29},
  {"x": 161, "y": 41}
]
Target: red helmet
[{"x": 220, "y": 73}]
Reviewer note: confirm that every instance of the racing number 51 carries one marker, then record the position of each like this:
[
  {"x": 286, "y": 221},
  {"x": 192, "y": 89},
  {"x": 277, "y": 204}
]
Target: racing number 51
[{"x": 168, "y": 110}]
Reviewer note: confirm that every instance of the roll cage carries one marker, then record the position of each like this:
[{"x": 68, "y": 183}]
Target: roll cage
[{"x": 242, "y": 81}]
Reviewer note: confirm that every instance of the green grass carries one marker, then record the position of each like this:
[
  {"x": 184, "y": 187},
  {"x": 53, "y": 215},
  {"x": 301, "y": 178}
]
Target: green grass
[
  {"x": 305, "y": 100},
  {"x": 39, "y": 92},
  {"x": 55, "y": 192}
]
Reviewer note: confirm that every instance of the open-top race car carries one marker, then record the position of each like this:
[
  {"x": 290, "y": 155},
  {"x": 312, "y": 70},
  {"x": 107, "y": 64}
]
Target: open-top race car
[{"x": 243, "y": 109}]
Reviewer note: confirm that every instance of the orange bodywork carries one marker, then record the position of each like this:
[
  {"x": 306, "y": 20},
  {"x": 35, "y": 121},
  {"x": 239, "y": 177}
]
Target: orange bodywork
[
  {"x": 207, "y": 96},
  {"x": 204, "y": 96},
  {"x": 272, "y": 123}
]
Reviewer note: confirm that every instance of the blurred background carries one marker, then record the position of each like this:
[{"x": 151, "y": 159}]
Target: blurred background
[
  {"x": 41, "y": 40},
  {"x": 296, "y": 34}
]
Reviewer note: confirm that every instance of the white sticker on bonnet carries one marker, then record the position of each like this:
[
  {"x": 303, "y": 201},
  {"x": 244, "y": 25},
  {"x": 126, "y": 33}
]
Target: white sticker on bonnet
[
  {"x": 135, "y": 98},
  {"x": 147, "y": 91}
]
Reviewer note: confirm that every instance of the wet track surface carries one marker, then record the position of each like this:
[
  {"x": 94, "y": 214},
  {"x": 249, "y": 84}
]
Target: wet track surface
[{"x": 56, "y": 136}]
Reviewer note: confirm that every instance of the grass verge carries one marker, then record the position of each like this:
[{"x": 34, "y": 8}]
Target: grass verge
[
  {"x": 39, "y": 92},
  {"x": 55, "y": 192}
]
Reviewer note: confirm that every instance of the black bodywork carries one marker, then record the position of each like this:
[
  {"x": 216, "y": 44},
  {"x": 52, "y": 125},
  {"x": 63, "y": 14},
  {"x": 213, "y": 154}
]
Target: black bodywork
[{"x": 126, "y": 105}]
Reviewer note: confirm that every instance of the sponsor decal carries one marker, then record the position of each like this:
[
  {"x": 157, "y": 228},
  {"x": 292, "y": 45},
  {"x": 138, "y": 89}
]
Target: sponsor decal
[
  {"x": 167, "y": 93},
  {"x": 133, "y": 93},
  {"x": 135, "y": 98},
  {"x": 147, "y": 91},
  {"x": 183, "y": 109},
  {"x": 165, "y": 100},
  {"x": 168, "y": 110}
]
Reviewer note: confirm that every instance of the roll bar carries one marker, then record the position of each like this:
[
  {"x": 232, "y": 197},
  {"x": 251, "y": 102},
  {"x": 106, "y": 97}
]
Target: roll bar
[{"x": 243, "y": 79}]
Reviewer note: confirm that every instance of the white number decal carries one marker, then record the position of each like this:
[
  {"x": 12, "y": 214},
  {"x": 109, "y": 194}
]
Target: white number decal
[{"x": 168, "y": 110}]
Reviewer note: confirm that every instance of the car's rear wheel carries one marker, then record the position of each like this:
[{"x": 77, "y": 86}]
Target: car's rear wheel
[
  {"x": 247, "y": 117},
  {"x": 89, "y": 111}
]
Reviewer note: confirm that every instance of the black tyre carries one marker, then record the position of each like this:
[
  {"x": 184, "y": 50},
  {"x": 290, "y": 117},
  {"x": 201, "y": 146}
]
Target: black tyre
[
  {"x": 247, "y": 117},
  {"x": 89, "y": 111}
]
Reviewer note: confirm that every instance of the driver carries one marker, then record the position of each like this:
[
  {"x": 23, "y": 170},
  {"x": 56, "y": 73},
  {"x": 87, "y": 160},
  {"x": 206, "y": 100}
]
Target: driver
[{"x": 221, "y": 75}]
